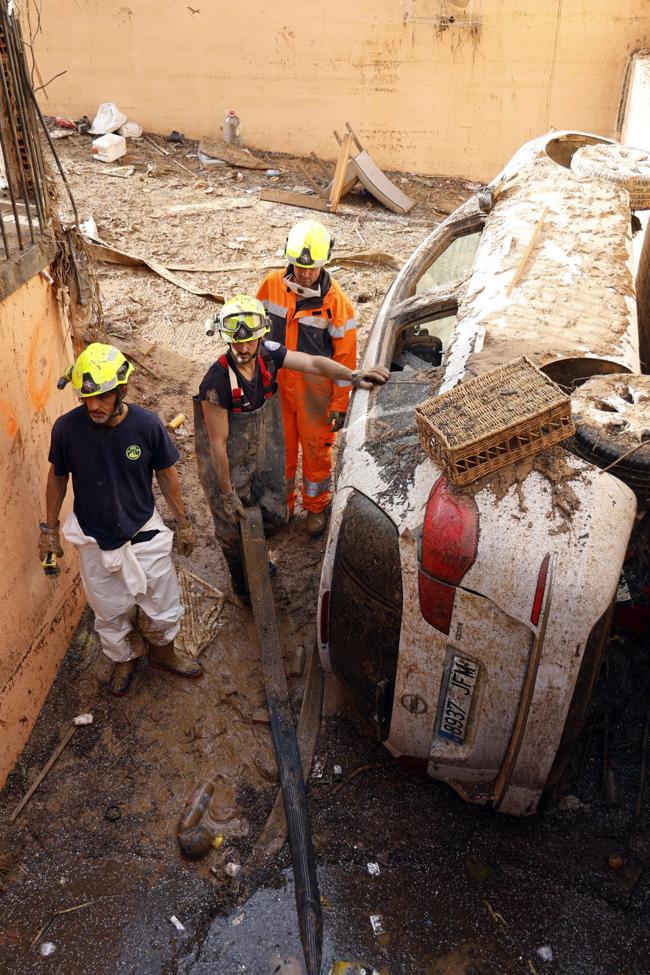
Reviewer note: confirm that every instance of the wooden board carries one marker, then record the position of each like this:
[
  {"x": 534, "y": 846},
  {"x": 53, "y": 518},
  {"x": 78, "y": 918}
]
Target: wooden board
[
  {"x": 377, "y": 183},
  {"x": 294, "y": 199},
  {"x": 339, "y": 173}
]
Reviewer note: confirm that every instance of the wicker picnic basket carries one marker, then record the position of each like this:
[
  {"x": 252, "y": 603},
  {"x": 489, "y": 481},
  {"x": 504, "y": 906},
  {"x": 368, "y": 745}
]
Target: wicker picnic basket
[{"x": 491, "y": 421}]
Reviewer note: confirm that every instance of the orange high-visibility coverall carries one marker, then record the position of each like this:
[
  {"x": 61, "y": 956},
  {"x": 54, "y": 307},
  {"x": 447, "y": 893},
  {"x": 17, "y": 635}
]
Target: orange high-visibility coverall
[{"x": 322, "y": 325}]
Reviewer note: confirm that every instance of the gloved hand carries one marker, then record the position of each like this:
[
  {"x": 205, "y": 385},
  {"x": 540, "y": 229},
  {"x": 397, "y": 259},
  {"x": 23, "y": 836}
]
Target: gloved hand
[
  {"x": 185, "y": 538},
  {"x": 336, "y": 419},
  {"x": 367, "y": 378},
  {"x": 233, "y": 508},
  {"x": 49, "y": 541}
]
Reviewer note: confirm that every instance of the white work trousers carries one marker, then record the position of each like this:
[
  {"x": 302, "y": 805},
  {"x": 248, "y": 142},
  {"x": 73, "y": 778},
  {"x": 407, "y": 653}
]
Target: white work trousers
[{"x": 119, "y": 581}]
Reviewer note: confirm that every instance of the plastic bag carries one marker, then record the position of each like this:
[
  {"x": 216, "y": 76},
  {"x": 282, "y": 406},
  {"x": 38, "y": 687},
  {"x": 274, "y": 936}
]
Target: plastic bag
[{"x": 108, "y": 119}]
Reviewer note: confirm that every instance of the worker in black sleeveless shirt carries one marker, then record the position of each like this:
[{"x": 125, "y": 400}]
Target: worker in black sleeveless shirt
[{"x": 238, "y": 424}]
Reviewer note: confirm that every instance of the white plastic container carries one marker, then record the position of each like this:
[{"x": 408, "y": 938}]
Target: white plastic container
[
  {"x": 108, "y": 148},
  {"x": 232, "y": 129}
]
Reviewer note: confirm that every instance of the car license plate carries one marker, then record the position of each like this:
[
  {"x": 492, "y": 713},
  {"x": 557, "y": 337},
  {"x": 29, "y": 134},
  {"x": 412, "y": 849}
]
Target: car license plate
[{"x": 458, "y": 700}]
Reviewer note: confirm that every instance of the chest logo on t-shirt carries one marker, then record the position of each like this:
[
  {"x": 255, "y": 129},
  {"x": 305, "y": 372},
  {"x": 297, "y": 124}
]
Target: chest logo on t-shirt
[{"x": 133, "y": 452}]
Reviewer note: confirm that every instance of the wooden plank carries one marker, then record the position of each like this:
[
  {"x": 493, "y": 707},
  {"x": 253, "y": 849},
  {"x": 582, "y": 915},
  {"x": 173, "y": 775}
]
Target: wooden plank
[
  {"x": 356, "y": 141},
  {"x": 377, "y": 183},
  {"x": 339, "y": 174},
  {"x": 41, "y": 775},
  {"x": 349, "y": 180},
  {"x": 527, "y": 252},
  {"x": 294, "y": 199}
]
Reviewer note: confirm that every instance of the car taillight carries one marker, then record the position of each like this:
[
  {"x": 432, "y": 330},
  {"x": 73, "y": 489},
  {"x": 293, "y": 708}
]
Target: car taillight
[
  {"x": 449, "y": 545},
  {"x": 325, "y": 618},
  {"x": 539, "y": 591}
]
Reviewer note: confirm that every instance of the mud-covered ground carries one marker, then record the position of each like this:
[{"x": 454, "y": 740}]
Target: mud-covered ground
[{"x": 92, "y": 863}]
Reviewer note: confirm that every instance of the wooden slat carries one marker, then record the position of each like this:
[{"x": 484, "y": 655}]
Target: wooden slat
[
  {"x": 294, "y": 199},
  {"x": 339, "y": 175}
]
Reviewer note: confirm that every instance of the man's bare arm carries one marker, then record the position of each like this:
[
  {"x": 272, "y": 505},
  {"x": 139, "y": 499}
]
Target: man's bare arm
[
  {"x": 320, "y": 365},
  {"x": 218, "y": 427},
  {"x": 170, "y": 486},
  {"x": 57, "y": 485}
]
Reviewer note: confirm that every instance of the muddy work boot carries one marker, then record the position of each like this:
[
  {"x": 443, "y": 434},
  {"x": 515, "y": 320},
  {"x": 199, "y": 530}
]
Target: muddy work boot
[
  {"x": 316, "y": 522},
  {"x": 165, "y": 658},
  {"x": 121, "y": 677}
]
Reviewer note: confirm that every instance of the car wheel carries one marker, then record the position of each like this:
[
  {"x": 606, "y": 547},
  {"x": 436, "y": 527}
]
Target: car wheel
[
  {"x": 621, "y": 165},
  {"x": 612, "y": 421}
]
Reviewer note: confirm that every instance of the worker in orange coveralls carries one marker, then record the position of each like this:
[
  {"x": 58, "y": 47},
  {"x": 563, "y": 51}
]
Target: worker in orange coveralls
[{"x": 310, "y": 313}]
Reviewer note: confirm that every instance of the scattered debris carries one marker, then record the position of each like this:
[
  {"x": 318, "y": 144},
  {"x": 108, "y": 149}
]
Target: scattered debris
[
  {"x": 298, "y": 662},
  {"x": 373, "y": 869},
  {"x": 237, "y": 920},
  {"x": 103, "y": 252},
  {"x": 195, "y": 831},
  {"x": 615, "y": 861},
  {"x": 499, "y": 918},
  {"x": 545, "y": 953},
  {"x": 176, "y": 137},
  {"x": 47, "y": 948},
  {"x": 318, "y": 769},
  {"x": 112, "y": 813},
  {"x": 569, "y": 803},
  {"x": 177, "y": 924},
  {"x": 232, "y": 869},
  {"x": 82, "y": 719},
  {"x": 295, "y": 199},
  {"x": 108, "y": 119},
  {"x": 178, "y": 421},
  {"x": 130, "y": 130},
  {"x": 377, "y": 924},
  {"x": 232, "y": 155},
  {"x": 337, "y": 771}
]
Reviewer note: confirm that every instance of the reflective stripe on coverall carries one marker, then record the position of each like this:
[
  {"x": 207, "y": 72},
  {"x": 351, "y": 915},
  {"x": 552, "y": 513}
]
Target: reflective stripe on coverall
[
  {"x": 319, "y": 326},
  {"x": 134, "y": 585},
  {"x": 256, "y": 458}
]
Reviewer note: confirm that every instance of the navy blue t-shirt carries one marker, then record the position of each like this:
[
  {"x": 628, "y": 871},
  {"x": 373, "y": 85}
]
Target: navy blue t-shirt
[
  {"x": 112, "y": 470},
  {"x": 215, "y": 385}
]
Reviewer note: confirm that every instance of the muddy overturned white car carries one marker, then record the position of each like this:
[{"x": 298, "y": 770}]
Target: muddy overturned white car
[{"x": 470, "y": 622}]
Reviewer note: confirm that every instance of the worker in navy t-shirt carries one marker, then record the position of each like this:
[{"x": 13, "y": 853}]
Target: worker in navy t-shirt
[
  {"x": 238, "y": 424},
  {"x": 111, "y": 450}
]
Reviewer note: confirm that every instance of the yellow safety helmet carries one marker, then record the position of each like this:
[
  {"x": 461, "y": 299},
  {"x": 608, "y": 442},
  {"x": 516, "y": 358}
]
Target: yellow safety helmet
[
  {"x": 99, "y": 369},
  {"x": 309, "y": 244},
  {"x": 243, "y": 319}
]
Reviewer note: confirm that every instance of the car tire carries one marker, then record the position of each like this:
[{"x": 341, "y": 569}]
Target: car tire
[
  {"x": 620, "y": 165},
  {"x": 609, "y": 448}
]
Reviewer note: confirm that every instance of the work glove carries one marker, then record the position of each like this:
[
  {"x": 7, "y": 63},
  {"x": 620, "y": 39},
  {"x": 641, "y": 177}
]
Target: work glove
[
  {"x": 233, "y": 508},
  {"x": 367, "y": 378},
  {"x": 49, "y": 541},
  {"x": 336, "y": 419},
  {"x": 185, "y": 538}
]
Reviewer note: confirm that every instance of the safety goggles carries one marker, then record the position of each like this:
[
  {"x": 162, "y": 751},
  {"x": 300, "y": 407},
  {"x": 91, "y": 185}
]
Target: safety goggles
[{"x": 236, "y": 328}]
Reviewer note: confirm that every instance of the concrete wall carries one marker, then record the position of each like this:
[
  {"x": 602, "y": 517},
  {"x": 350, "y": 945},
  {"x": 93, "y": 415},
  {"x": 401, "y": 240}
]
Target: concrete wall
[
  {"x": 37, "y": 614},
  {"x": 423, "y": 93}
]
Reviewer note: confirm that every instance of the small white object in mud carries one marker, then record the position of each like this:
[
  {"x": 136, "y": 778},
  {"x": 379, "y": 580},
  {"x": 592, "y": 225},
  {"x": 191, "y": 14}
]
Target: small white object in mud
[
  {"x": 48, "y": 948},
  {"x": 373, "y": 869},
  {"x": 177, "y": 924},
  {"x": 338, "y": 771},
  {"x": 83, "y": 719},
  {"x": 545, "y": 953},
  {"x": 237, "y": 920},
  {"x": 569, "y": 803},
  {"x": 319, "y": 768},
  {"x": 377, "y": 923},
  {"x": 232, "y": 869}
]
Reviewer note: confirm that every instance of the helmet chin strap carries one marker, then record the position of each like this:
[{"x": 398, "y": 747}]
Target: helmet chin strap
[{"x": 300, "y": 289}]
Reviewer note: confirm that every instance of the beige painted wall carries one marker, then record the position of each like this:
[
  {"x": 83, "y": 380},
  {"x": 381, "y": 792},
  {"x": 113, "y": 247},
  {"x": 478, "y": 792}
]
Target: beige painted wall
[
  {"x": 422, "y": 98},
  {"x": 37, "y": 614}
]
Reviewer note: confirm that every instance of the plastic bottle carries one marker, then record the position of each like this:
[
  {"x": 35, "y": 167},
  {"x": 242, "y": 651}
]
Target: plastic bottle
[{"x": 232, "y": 129}]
